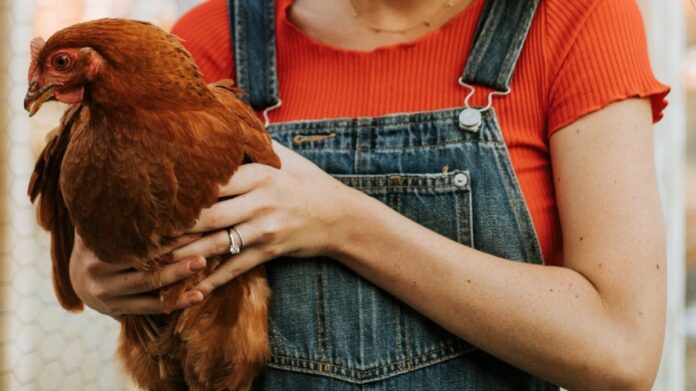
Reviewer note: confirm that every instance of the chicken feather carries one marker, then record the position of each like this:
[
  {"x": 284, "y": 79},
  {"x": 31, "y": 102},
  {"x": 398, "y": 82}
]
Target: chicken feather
[{"x": 141, "y": 151}]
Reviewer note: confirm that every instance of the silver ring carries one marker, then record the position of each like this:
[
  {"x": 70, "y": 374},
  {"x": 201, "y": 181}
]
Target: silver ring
[
  {"x": 241, "y": 238},
  {"x": 234, "y": 249}
]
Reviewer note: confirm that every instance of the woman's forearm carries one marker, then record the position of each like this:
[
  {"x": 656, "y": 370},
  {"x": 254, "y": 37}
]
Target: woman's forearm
[
  {"x": 549, "y": 321},
  {"x": 595, "y": 324}
]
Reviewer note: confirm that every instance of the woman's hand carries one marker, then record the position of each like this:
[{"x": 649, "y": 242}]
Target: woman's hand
[
  {"x": 118, "y": 289},
  {"x": 289, "y": 211}
]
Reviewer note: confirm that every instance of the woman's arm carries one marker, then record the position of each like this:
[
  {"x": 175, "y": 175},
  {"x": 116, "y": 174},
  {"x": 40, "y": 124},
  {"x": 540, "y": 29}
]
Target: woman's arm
[
  {"x": 116, "y": 290},
  {"x": 595, "y": 324}
]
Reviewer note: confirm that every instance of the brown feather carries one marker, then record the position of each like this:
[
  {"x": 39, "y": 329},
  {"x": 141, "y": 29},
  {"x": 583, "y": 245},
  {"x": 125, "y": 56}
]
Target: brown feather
[
  {"x": 52, "y": 213},
  {"x": 148, "y": 151}
]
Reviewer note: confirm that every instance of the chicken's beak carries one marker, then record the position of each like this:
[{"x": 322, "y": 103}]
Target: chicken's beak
[{"x": 37, "y": 96}]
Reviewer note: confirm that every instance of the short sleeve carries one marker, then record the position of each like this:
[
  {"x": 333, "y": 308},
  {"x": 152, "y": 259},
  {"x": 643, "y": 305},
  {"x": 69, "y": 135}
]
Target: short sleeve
[
  {"x": 604, "y": 61},
  {"x": 205, "y": 33}
]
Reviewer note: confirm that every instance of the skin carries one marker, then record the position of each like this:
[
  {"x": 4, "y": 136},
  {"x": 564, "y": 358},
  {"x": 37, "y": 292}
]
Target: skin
[{"x": 597, "y": 323}]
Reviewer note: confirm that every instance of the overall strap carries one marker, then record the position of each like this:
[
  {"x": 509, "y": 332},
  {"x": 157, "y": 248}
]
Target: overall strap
[
  {"x": 252, "y": 26},
  {"x": 500, "y": 36}
]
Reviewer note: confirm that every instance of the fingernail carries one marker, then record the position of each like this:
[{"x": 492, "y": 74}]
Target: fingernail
[
  {"x": 194, "y": 297},
  {"x": 200, "y": 288},
  {"x": 197, "y": 264}
]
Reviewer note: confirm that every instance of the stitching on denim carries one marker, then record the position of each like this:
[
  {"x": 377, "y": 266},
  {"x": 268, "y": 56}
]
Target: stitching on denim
[
  {"x": 408, "y": 344},
  {"x": 396, "y": 149},
  {"x": 321, "y": 312},
  {"x": 532, "y": 247},
  {"x": 508, "y": 184},
  {"x": 448, "y": 115},
  {"x": 520, "y": 37},
  {"x": 240, "y": 47},
  {"x": 280, "y": 341},
  {"x": 478, "y": 52},
  {"x": 329, "y": 371},
  {"x": 367, "y": 181},
  {"x": 444, "y": 190},
  {"x": 443, "y": 182},
  {"x": 368, "y": 380},
  {"x": 401, "y": 319},
  {"x": 272, "y": 88},
  {"x": 512, "y": 189},
  {"x": 459, "y": 349},
  {"x": 459, "y": 220},
  {"x": 471, "y": 216}
]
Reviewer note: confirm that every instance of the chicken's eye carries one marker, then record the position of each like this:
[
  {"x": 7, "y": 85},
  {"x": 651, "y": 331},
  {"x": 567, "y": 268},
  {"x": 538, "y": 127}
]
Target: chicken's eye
[{"x": 62, "y": 62}]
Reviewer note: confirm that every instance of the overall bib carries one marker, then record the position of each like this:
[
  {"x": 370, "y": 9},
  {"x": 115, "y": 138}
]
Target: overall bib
[{"x": 331, "y": 329}]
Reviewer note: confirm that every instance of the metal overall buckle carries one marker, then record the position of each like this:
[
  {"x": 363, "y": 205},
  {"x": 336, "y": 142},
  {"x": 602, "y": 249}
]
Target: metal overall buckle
[{"x": 471, "y": 119}]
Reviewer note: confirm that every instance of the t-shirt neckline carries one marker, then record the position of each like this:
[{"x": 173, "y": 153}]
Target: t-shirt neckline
[{"x": 422, "y": 39}]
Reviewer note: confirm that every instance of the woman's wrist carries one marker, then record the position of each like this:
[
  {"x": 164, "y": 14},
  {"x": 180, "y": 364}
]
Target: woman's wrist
[{"x": 356, "y": 213}]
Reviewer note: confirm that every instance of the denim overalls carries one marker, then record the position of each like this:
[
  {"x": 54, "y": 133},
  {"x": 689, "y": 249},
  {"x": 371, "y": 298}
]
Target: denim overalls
[{"x": 330, "y": 328}]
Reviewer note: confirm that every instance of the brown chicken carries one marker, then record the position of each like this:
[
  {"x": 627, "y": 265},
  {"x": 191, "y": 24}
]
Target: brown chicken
[{"x": 142, "y": 149}]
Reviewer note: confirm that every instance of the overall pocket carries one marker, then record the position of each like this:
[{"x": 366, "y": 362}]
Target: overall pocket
[
  {"x": 327, "y": 320},
  {"x": 440, "y": 202}
]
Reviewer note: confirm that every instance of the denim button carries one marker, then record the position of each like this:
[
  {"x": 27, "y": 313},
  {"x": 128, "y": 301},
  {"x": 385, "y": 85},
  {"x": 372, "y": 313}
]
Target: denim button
[
  {"x": 460, "y": 180},
  {"x": 470, "y": 120}
]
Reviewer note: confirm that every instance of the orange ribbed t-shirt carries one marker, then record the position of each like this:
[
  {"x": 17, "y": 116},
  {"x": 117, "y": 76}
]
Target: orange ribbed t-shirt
[{"x": 580, "y": 56}]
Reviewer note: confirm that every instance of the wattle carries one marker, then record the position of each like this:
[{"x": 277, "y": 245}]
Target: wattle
[{"x": 70, "y": 95}]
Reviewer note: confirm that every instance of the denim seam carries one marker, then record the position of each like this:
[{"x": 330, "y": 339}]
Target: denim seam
[
  {"x": 483, "y": 40},
  {"x": 447, "y": 115},
  {"x": 367, "y": 380},
  {"x": 442, "y": 346},
  {"x": 471, "y": 216},
  {"x": 407, "y": 148},
  {"x": 329, "y": 369},
  {"x": 402, "y": 330},
  {"x": 280, "y": 341},
  {"x": 442, "y": 182},
  {"x": 240, "y": 47},
  {"x": 506, "y": 72},
  {"x": 321, "y": 312},
  {"x": 407, "y": 344},
  {"x": 454, "y": 189},
  {"x": 459, "y": 220},
  {"x": 272, "y": 88},
  {"x": 522, "y": 222}
]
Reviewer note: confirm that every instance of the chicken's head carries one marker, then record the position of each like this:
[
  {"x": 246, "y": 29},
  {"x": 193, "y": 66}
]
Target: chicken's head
[{"x": 59, "y": 74}]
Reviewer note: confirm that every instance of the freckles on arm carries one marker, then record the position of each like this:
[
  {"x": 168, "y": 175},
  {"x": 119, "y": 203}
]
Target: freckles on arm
[
  {"x": 610, "y": 210},
  {"x": 597, "y": 321}
]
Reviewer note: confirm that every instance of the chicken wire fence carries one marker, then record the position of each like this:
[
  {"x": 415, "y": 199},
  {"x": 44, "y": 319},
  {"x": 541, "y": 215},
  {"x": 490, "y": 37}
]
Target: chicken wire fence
[{"x": 44, "y": 347}]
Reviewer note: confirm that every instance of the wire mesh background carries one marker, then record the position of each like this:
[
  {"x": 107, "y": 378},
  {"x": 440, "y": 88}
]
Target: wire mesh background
[{"x": 45, "y": 348}]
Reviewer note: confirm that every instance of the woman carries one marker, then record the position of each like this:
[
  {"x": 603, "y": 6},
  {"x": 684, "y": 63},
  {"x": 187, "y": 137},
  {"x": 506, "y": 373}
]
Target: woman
[{"x": 431, "y": 276}]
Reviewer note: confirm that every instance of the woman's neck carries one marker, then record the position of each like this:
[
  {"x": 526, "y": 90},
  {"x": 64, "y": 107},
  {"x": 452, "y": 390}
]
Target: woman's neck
[
  {"x": 365, "y": 25},
  {"x": 398, "y": 14}
]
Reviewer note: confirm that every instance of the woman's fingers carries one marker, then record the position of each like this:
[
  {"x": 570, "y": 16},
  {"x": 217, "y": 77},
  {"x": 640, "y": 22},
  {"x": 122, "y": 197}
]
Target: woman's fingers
[
  {"x": 181, "y": 241},
  {"x": 225, "y": 214},
  {"x": 139, "y": 304},
  {"x": 214, "y": 243},
  {"x": 247, "y": 177},
  {"x": 149, "y": 305},
  {"x": 217, "y": 243},
  {"x": 134, "y": 282},
  {"x": 231, "y": 269}
]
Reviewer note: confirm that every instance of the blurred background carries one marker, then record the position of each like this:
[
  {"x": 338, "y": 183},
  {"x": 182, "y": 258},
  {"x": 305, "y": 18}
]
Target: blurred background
[{"x": 44, "y": 348}]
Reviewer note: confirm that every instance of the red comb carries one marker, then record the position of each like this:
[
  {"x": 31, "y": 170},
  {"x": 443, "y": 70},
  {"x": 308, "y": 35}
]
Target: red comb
[{"x": 36, "y": 45}]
